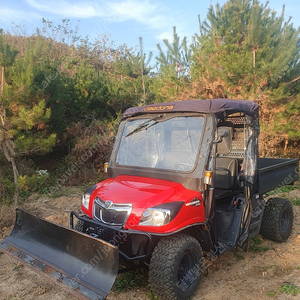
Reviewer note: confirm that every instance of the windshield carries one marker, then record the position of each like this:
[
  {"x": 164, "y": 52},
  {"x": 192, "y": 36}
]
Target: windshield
[{"x": 163, "y": 142}]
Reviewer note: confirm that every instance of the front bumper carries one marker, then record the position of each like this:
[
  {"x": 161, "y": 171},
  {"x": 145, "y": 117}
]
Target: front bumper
[{"x": 133, "y": 245}]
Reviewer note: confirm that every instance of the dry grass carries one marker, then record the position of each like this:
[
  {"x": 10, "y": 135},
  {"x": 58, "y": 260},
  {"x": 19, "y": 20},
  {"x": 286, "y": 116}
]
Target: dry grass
[{"x": 7, "y": 216}]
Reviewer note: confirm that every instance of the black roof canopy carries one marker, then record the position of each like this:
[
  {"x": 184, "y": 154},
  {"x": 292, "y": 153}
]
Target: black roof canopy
[{"x": 219, "y": 107}]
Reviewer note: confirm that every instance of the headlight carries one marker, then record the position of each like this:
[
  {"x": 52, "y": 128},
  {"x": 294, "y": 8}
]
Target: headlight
[
  {"x": 86, "y": 196},
  {"x": 86, "y": 200},
  {"x": 161, "y": 214},
  {"x": 155, "y": 217}
]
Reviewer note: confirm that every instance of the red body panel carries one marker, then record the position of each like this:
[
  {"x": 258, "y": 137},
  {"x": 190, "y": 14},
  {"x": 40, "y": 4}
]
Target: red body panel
[{"x": 144, "y": 192}]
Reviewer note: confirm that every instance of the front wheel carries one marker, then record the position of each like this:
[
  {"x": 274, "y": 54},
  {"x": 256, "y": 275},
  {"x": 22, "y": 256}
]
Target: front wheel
[
  {"x": 176, "y": 267},
  {"x": 277, "y": 221}
]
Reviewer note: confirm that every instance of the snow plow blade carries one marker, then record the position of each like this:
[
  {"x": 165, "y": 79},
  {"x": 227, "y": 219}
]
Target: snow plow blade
[{"x": 86, "y": 266}]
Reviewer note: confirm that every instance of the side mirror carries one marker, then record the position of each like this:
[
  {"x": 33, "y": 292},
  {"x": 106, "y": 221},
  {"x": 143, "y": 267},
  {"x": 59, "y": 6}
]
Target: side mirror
[{"x": 225, "y": 140}]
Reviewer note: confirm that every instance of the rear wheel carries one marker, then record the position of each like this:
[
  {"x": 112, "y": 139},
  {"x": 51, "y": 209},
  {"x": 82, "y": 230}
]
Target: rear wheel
[
  {"x": 277, "y": 220},
  {"x": 176, "y": 267}
]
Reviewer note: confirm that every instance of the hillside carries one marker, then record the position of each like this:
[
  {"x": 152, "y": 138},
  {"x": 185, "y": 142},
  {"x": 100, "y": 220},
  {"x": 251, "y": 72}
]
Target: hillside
[{"x": 261, "y": 273}]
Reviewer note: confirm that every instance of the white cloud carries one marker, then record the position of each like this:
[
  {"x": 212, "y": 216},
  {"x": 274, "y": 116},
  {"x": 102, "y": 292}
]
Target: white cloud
[
  {"x": 68, "y": 9},
  {"x": 166, "y": 35},
  {"x": 146, "y": 12},
  {"x": 133, "y": 10},
  {"x": 152, "y": 13},
  {"x": 12, "y": 15},
  {"x": 161, "y": 21},
  {"x": 139, "y": 11}
]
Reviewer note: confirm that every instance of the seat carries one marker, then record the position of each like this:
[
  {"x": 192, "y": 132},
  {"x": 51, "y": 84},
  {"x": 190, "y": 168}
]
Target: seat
[{"x": 225, "y": 176}]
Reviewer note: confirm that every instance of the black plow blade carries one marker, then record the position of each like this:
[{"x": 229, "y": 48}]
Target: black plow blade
[{"x": 86, "y": 266}]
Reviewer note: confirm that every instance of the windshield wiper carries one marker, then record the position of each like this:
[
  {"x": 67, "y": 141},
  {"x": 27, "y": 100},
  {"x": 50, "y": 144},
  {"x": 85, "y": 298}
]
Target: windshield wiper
[{"x": 145, "y": 125}]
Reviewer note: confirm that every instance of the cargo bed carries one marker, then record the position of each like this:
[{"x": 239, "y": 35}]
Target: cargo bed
[{"x": 276, "y": 172}]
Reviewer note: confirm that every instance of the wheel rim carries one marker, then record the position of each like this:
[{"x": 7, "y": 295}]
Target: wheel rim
[
  {"x": 186, "y": 275},
  {"x": 285, "y": 220}
]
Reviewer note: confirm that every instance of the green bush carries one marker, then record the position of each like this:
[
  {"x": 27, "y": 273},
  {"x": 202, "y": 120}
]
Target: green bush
[
  {"x": 34, "y": 182},
  {"x": 131, "y": 280},
  {"x": 9, "y": 185},
  {"x": 255, "y": 245},
  {"x": 290, "y": 289}
]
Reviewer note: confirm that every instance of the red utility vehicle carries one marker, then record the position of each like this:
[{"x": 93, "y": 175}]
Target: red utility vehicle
[{"x": 184, "y": 177}]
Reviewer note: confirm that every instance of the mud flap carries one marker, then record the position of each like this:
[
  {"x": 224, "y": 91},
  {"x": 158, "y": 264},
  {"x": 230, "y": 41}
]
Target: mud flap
[{"x": 86, "y": 266}]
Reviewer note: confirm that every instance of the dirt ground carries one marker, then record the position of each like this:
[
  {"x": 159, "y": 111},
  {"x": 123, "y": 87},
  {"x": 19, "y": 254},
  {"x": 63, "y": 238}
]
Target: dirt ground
[{"x": 235, "y": 275}]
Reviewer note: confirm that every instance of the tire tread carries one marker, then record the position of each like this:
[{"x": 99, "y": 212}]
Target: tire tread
[
  {"x": 270, "y": 226},
  {"x": 162, "y": 266}
]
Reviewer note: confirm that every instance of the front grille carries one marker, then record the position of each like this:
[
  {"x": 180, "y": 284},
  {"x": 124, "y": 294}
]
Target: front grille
[
  {"x": 111, "y": 213},
  {"x": 105, "y": 234}
]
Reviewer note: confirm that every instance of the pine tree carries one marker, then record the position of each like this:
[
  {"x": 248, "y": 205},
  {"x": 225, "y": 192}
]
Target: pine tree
[
  {"x": 24, "y": 115},
  {"x": 242, "y": 49},
  {"x": 129, "y": 82},
  {"x": 174, "y": 68},
  {"x": 176, "y": 60},
  {"x": 245, "y": 50},
  {"x": 7, "y": 56}
]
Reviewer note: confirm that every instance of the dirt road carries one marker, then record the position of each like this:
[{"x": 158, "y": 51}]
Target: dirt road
[{"x": 259, "y": 274}]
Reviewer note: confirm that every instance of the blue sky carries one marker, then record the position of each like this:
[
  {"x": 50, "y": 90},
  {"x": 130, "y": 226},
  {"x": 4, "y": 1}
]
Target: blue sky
[{"x": 125, "y": 20}]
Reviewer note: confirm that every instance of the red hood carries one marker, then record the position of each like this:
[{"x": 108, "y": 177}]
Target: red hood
[
  {"x": 141, "y": 191},
  {"x": 144, "y": 192}
]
